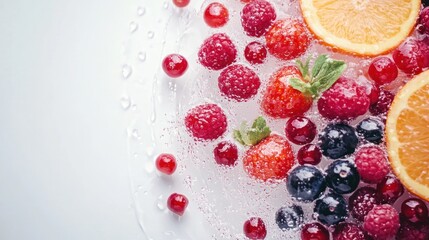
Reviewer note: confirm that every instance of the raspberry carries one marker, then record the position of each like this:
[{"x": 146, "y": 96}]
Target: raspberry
[
  {"x": 226, "y": 153},
  {"x": 383, "y": 104},
  {"x": 255, "y": 53},
  {"x": 372, "y": 164},
  {"x": 409, "y": 57},
  {"x": 287, "y": 39},
  {"x": 345, "y": 100},
  {"x": 256, "y": 17},
  {"x": 383, "y": 70},
  {"x": 238, "y": 82},
  {"x": 217, "y": 52},
  {"x": 413, "y": 231},
  {"x": 206, "y": 122},
  {"x": 382, "y": 222},
  {"x": 362, "y": 201},
  {"x": 348, "y": 231}
]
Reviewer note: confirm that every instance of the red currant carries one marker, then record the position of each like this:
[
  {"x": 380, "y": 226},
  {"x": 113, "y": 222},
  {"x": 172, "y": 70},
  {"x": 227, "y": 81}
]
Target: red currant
[
  {"x": 415, "y": 210},
  {"x": 409, "y": 57},
  {"x": 216, "y": 15},
  {"x": 255, "y": 53},
  {"x": 383, "y": 70},
  {"x": 174, "y": 65},
  {"x": 177, "y": 203},
  {"x": 309, "y": 154},
  {"x": 181, "y": 3},
  {"x": 389, "y": 190},
  {"x": 166, "y": 163},
  {"x": 300, "y": 130},
  {"x": 226, "y": 153},
  {"x": 254, "y": 228},
  {"x": 314, "y": 231}
]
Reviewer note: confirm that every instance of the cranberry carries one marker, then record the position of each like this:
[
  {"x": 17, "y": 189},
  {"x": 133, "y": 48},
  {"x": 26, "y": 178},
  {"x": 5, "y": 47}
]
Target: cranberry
[
  {"x": 309, "y": 154},
  {"x": 166, "y": 163},
  {"x": 226, "y": 153},
  {"x": 383, "y": 70},
  {"x": 383, "y": 103},
  {"x": 254, "y": 228},
  {"x": 389, "y": 190},
  {"x": 181, "y": 3},
  {"x": 374, "y": 94},
  {"x": 177, "y": 203},
  {"x": 174, "y": 65},
  {"x": 409, "y": 57},
  {"x": 255, "y": 53},
  {"x": 300, "y": 130},
  {"x": 314, "y": 231},
  {"x": 216, "y": 15},
  {"x": 415, "y": 210}
]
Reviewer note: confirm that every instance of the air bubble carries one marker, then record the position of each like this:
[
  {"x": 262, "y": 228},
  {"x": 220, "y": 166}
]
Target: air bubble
[
  {"x": 142, "y": 56},
  {"x": 125, "y": 102},
  {"x": 150, "y": 34},
  {"x": 126, "y": 71},
  {"x": 135, "y": 134},
  {"x": 133, "y": 27},
  {"x": 165, "y": 5},
  {"x": 141, "y": 11}
]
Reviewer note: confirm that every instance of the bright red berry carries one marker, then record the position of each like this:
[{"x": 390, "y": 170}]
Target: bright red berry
[
  {"x": 166, "y": 163},
  {"x": 256, "y": 17},
  {"x": 206, "y": 122},
  {"x": 314, "y": 231},
  {"x": 300, "y": 130},
  {"x": 181, "y": 3},
  {"x": 174, "y": 65},
  {"x": 287, "y": 39},
  {"x": 255, "y": 53},
  {"x": 383, "y": 103},
  {"x": 362, "y": 201},
  {"x": 254, "y": 228},
  {"x": 177, "y": 203},
  {"x": 280, "y": 100},
  {"x": 389, "y": 189},
  {"x": 383, "y": 70},
  {"x": 409, "y": 57},
  {"x": 226, "y": 153},
  {"x": 217, "y": 52},
  {"x": 382, "y": 222},
  {"x": 345, "y": 100},
  {"x": 413, "y": 231},
  {"x": 216, "y": 15},
  {"x": 372, "y": 164},
  {"x": 238, "y": 82},
  {"x": 348, "y": 231},
  {"x": 414, "y": 210},
  {"x": 374, "y": 94},
  {"x": 309, "y": 154}
]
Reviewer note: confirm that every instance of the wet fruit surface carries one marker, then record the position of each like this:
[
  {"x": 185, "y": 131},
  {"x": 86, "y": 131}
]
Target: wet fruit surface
[
  {"x": 300, "y": 130},
  {"x": 254, "y": 228},
  {"x": 166, "y": 163},
  {"x": 342, "y": 176},
  {"x": 290, "y": 217},
  {"x": 305, "y": 183},
  {"x": 216, "y": 15},
  {"x": 331, "y": 209},
  {"x": 338, "y": 140},
  {"x": 174, "y": 65},
  {"x": 177, "y": 203}
]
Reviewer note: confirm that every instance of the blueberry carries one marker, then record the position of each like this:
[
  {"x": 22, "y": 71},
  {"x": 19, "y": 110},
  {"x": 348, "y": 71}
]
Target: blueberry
[
  {"x": 331, "y": 209},
  {"x": 371, "y": 129},
  {"x": 305, "y": 183},
  {"x": 342, "y": 176},
  {"x": 338, "y": 140},
  {"x": 289, "y": 217}
]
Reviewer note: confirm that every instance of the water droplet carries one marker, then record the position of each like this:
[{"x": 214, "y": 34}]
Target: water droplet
[
  {"x": 160, "y": 202},
  {"x": 150, "y": 34},
  {"x": 126, "y": 71},
  {"x": 133, "y": 27},
  {"x": 133, "y": 106},
  {"x": 125, "y": 102},
  {"x": 135, "y": 133},
  {"x": 142, "y": 56},
  {"x": 165, "y": 5},
  {"x": 141, "y": 11}
]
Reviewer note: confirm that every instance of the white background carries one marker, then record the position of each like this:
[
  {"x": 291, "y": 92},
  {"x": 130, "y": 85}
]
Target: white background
[{"x": 63, "y": 173}]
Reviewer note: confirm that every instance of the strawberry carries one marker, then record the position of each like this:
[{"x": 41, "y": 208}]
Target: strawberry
[
  {"x": 270, "y": 156},
  {"x": 291, "y": 89}
]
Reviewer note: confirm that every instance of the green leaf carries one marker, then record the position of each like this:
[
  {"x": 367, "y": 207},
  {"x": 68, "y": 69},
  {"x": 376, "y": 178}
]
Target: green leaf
[
  {"x": 253, "y": 135},
  {"x": 304, "y": 68},
  {"x": 299, "y": 85},
  {"x": 320, "y": 61},
  {"x": 237, "y": 137}
]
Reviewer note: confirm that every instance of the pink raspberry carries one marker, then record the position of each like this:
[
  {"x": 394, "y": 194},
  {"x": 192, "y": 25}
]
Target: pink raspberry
[
  {"x": 238, "y": 82},
  {"x": 345, "y": 100},
  {"x": 256, "y": 17},
  {"x": 217, "y": 52},
  {"x": 362, "y": 201},
  {"x": 348, "y": 231},
  {"x": 413, "y": 231},
  {"x": 382, "y": 222},
  {"x": 206, "y": 122},
  {"x": 372, "y": 164}
]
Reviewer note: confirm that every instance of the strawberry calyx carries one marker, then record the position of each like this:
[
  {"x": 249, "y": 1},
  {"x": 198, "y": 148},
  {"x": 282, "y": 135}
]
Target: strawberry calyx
[
  {"x": 324, "y": 73},
  {"x": 250, "y": 136}
]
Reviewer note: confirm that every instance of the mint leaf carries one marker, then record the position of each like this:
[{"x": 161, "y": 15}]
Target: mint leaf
[
  {"x": 253, "y": 135},
  {"x": 320, "y": 61},
  {"x": 304, "y": 68}
]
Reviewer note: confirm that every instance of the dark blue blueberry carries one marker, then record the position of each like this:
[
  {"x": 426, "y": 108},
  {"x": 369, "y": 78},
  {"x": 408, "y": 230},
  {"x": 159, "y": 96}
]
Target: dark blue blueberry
[
  {"x": 289, "y": 217},
  {"x": 305, "y": 183},
  {"x": 371, "y": 129},
  {"x": 342, "y": 176},
  {"x": 338, "y": 140},
  {"x": 331, "y": 209}
]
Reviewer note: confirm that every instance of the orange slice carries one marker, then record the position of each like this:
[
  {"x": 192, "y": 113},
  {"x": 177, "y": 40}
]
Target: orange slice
[
  {"x": 407, "y": 135},
  {"x": 361, "y": 27}
]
